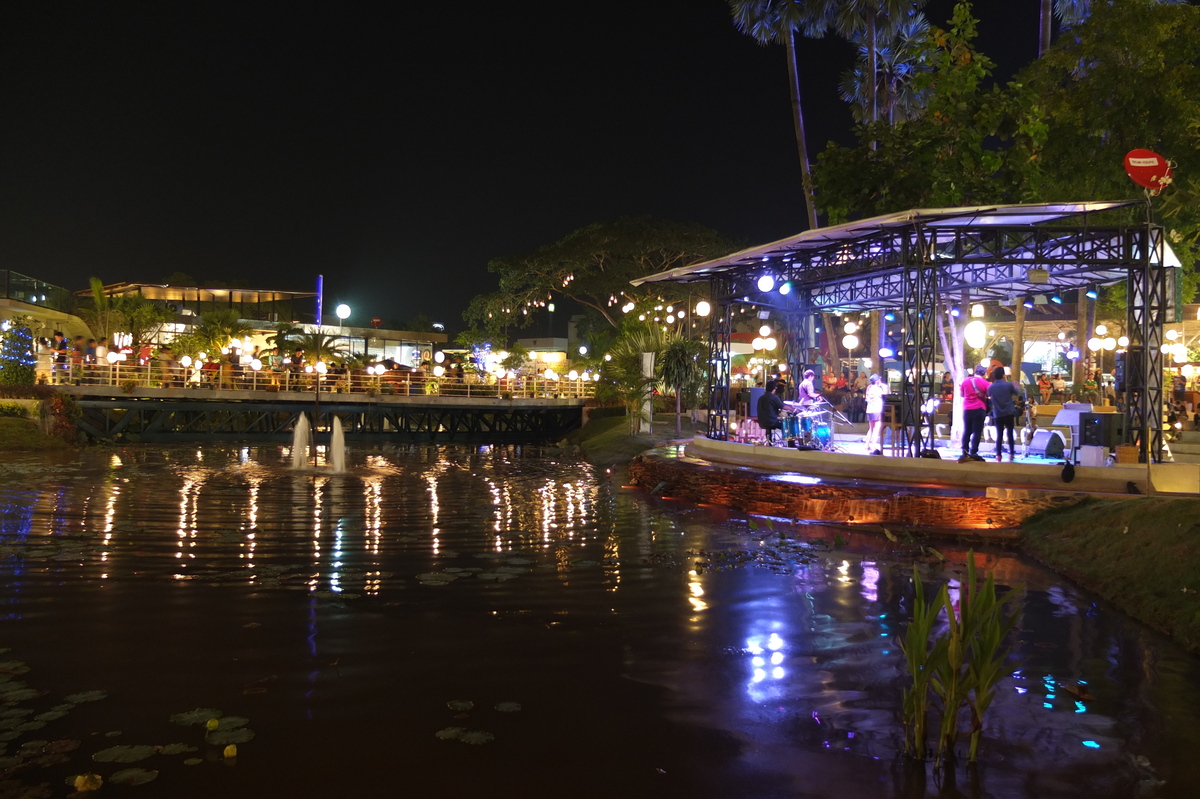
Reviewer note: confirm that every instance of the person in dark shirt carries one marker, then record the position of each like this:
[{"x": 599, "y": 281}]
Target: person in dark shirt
[{"x": 769, "y": 406}]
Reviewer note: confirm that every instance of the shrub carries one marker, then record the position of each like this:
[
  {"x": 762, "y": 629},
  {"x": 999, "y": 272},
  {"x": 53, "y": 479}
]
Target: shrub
[{"x": 13, "y": 410}]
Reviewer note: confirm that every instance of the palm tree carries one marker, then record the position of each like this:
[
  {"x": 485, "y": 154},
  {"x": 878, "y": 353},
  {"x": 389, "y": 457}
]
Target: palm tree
[
  {"x": 680, "y": 366},
  {"x": 900, "y": 60},
  {"x": 869, "y": 19},
  {"x": 778, "y": 22},
  {"x": 142, "y": 319},
  {"x": 284, "y": 332},
  {"x": 101, "y": 318},
  {"x": 217, "y": 328},
  {"x": 318, "y": 346}
]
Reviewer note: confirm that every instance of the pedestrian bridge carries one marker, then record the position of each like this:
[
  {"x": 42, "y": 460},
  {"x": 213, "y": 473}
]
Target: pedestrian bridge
[{"x": 165, "y": 415}]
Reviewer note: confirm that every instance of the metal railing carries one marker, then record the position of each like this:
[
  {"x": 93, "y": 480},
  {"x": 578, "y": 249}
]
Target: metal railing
[{"x": 156, "y": 375}]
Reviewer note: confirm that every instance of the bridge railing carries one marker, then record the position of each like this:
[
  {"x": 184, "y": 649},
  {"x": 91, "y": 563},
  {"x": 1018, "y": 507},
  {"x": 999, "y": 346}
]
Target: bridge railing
[{"x": 157, "y": 375}]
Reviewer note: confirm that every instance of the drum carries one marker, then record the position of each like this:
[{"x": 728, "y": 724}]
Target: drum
[
  {"x": 823, "y": 434},
  {"x": 791, "y": 426}
]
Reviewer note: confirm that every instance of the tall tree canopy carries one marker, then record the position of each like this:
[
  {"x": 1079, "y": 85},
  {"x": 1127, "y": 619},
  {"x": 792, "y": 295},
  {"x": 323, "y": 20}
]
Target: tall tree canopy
[{"x": 593, "y": 267}]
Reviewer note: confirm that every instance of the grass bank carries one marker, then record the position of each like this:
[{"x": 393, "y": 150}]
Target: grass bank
[
  {"x": 23, "y": 434},
  {"x": 606, "y": 441},
  {"x": 1143, "y": 555}
]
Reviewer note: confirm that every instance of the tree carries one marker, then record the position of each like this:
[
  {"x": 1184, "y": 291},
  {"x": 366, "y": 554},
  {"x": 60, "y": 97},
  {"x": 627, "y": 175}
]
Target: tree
[
  {"x": 283, "y": 335},
  {"x": 901, "y": 58},
  {"x": 681, "y": 366},
  {"x": 593, "y": 267},
  {"x": 18, "y": 364},
  {"x": 141, "y": 318},
  {"x": 217, "y": 328},
  {"x": 319, "y": 347},
  {"x": 873, "y": 22},
  {"x": 947, "y": 156},
  {"x": 778, "y": 22},
  {"x": 180, "y": 279},
  {"x": 101, "y": 317}
]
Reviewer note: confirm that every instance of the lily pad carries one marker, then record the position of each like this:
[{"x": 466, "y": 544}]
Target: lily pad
[
  {"x": 198, "y": 716},
  {"x": 9, "y": 762},
  {"x": 64, "y": 707},
  {"x": 193, "y": 761},
  {"x": 508, "y": 707},
  {"x": 18, "y": 693},
  {"x": 476, "y": 737},
  {"x": 225, "y": 737},
  {"x": 34, "y": 745},
  {"x": 86, "y": 696},
  {"x": 450, "y": 733},
  {"x": 50, "y": 715},
  {"x": 58, "y": 747},
  {"x": 175, "y": 749},
  {"x": 16, "y": 666},
  {"x": 124, "y": 754},
  {"x": 112, "y": 733},
  {"x": 460, "y": 704},
  {"x": 231, "y": 722},
  {"x": 30, "y": 725},
  {"x": 133, "y": 776}
]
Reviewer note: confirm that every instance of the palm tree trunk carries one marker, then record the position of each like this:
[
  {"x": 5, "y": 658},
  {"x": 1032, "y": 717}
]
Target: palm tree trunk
[
  {"x": 801, "y": 143},
  {"x": 678, "y": 412},
  {"x": 1018, "y": 344},
  {"x": 873, "y": 70},
  {"x": 1046, "y": 20}
]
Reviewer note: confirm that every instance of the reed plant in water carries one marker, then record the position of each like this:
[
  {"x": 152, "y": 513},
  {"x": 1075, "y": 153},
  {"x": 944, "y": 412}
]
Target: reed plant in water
[{"x": 961, "y": 666}]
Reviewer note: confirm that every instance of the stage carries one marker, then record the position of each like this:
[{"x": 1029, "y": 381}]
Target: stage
[{"x": 1022, "y": 476}]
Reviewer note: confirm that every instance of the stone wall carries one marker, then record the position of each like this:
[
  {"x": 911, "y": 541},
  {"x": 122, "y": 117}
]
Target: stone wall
[{"x": 971, "y": 514}]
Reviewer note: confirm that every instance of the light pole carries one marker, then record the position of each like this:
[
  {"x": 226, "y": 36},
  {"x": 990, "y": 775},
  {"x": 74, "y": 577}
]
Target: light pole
[{"x": 343, "y": 313}]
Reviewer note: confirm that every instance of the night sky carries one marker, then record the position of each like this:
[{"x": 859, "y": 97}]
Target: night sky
[{"x": 396, "y": 151}]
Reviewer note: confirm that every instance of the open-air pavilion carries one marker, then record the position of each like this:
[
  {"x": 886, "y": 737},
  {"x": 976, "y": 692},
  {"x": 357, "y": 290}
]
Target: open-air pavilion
[{"x": 908, "y": 264}]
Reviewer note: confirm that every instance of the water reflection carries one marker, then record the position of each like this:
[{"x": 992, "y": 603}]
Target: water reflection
[{"x": 504, "y": 567}]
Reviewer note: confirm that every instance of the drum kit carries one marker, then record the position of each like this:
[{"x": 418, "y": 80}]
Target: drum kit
[{"x": 811, "y": 428}]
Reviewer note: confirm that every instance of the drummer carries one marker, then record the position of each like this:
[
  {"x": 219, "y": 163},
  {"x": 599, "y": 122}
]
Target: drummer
[{"x": 806, "y": 393}]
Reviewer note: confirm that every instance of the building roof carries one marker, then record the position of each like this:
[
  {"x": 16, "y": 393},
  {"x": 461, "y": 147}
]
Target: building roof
[
  {"x": 822, "y": 238},
  {"x": 168, "y": 293}
]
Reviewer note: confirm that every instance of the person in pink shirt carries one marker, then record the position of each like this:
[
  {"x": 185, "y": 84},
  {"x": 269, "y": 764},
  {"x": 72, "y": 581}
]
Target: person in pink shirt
[{"x": 974, "y": 392}]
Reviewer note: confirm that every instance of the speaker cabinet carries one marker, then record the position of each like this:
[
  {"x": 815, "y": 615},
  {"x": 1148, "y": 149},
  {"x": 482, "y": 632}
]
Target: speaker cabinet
[
  {"x": 1047, "y": 444},
  {"x": 1102, "y": 429}
]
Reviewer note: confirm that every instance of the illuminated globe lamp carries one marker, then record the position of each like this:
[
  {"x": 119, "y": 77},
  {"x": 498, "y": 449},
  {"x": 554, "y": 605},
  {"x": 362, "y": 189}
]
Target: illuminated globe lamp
[
  {"x": 185, "y": 361},
  {"x": 766, "y": 283},
  {"x": 764, "y": 331},
  {"x": 343, "y": 312},
  {"x": 322, "y": 368},
  {"x": 439, "y": 370},
  {"x": 975, "y": 334},
  {"x": 573, "y": 375},
  {"x": 850, "y": 341},
  {"x": 886, "y": 352},
  {"x": 1172, "y": 335},
  {"x": 256, "y": 364},
  {"x": 1109, "y": 343},
  {"x": 849, "y": 328},
  {"x": 1123, "y": 341},
  {"x": 439, "y": 357},
  {"x": 583, "y": 350},
  {"x": 1094, "y": 344},
  {"x": 703, "y": 308},
  {"x": 1101, "y": 330}
]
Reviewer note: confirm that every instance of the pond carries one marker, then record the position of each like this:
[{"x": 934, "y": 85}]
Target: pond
[{"x": 506, "y": 621}]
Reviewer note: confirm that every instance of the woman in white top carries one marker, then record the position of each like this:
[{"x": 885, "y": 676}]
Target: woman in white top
[{"x": 876, "y": 389}]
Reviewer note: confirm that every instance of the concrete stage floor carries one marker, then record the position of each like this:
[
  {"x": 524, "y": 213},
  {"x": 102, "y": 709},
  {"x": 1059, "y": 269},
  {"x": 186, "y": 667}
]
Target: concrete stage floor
[{"x": 1021, "y": 476}]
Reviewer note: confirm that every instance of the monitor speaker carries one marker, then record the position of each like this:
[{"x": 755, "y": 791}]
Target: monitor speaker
[{"x": 1047, "y": 444}]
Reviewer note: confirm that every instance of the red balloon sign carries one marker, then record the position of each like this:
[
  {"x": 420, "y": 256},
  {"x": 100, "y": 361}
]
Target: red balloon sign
[{"x": 1149, "y": 169}]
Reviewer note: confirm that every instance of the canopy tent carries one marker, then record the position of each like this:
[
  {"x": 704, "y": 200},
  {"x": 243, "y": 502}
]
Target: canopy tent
[{"x": 907, "y": 262}]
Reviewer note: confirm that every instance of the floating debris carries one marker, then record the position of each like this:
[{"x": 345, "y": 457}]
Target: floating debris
[
  {"x": 450, "y": 733},
  {"x": 508, "y": 707},
  {"x": 460, "y": 704}
]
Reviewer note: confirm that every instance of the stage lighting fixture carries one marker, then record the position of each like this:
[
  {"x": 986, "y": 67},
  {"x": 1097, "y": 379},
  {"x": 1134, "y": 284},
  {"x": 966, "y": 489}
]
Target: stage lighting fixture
[
  {"x": 1056, "y": 299},
  {"x": 1092, "y": 293},
  {"x": 1028, "y": 301}
]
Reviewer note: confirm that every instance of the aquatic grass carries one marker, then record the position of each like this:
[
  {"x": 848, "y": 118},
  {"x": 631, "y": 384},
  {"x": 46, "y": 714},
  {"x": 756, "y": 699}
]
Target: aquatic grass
[{"x": 961, "y": 667}]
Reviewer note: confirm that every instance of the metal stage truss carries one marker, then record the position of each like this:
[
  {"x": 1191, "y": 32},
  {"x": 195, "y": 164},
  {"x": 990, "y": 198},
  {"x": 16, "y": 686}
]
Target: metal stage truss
[
  {"x": 907, "y": 262},
  {"x": 169, "y": 420}
]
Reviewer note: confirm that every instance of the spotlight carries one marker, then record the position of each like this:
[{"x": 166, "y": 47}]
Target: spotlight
[
  {"x": 886, "y": 352},
  {"x": 955, "y": 312},
  {"x": 1028, "y": 301},
  {"x": 766, "y": 283},
  {"x": 785, "y": 289},
  {"x": 1056, "y": 299},
  {"x": 1091, "y": 293},
  {"x": 889, "y": 316}
]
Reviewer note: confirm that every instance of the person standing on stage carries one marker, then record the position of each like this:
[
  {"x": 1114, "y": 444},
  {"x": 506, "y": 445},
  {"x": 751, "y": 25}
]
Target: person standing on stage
[
  {"x": 974, "y": 392},
  {"x": 806, "y": 394},
  {"x": 1001, "y": 394},
  {"x": 876, "y": 389},
  {"x": 769, "y": 406}
]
